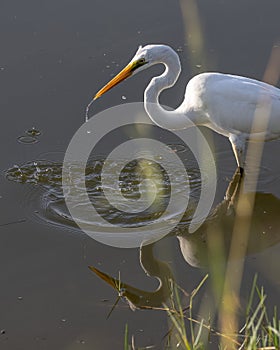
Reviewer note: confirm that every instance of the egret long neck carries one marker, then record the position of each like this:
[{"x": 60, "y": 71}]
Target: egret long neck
[{"x": 168, "y": 119}]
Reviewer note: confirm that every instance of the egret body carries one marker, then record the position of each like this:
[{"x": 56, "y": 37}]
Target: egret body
[{"x": 237, "y": 107}]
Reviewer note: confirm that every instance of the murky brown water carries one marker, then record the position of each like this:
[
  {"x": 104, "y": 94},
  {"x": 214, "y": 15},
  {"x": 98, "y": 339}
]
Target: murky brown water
[{"x": 54, "y": 57}]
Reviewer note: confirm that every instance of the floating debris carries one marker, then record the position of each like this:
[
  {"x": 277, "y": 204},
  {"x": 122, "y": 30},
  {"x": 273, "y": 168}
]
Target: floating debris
[{"x": 33, "y": 132}]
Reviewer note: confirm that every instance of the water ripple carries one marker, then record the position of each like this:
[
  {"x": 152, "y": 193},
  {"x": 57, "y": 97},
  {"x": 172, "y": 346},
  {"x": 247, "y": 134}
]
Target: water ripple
[{"x": 48, "y": 175}]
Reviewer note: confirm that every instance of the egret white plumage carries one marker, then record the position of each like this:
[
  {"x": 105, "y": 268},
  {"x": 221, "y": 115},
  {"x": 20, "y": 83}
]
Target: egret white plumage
[{"x": 227, "y": 104}]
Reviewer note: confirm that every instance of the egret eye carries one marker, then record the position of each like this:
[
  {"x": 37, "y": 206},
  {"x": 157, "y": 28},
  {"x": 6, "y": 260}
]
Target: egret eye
[{"x": 141, "y": 60}]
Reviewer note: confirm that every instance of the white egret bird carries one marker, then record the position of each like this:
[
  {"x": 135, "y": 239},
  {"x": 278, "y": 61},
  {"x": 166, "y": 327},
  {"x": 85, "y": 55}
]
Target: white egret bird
[{"x": 224, "y": 103}]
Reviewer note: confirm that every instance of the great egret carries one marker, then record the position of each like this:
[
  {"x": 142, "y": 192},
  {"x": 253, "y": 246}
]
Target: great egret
[{"x": 227, "y": 104}]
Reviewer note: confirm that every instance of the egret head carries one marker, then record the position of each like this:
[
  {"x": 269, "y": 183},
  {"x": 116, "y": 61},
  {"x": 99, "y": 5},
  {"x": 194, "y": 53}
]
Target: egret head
[{"x": 144, "y": 58}]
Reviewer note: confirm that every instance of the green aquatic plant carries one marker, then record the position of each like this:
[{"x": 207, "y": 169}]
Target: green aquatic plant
[{"x": 259, "y": 332}]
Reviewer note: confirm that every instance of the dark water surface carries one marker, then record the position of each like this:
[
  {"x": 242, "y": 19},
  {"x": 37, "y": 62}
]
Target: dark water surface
[{"x": 54, "y": 56}]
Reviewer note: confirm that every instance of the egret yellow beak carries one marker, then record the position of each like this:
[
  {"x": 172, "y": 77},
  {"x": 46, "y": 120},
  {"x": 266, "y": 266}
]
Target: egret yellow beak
[{"x": 125, "y": 73}]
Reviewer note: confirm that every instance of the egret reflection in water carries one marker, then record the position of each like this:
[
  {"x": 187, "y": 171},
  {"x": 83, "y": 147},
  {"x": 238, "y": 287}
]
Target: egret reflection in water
[
  {"x": 264, "y": 233},
  {"x": 138, "y": 298},
  {"x": 264, "y": 230}
]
